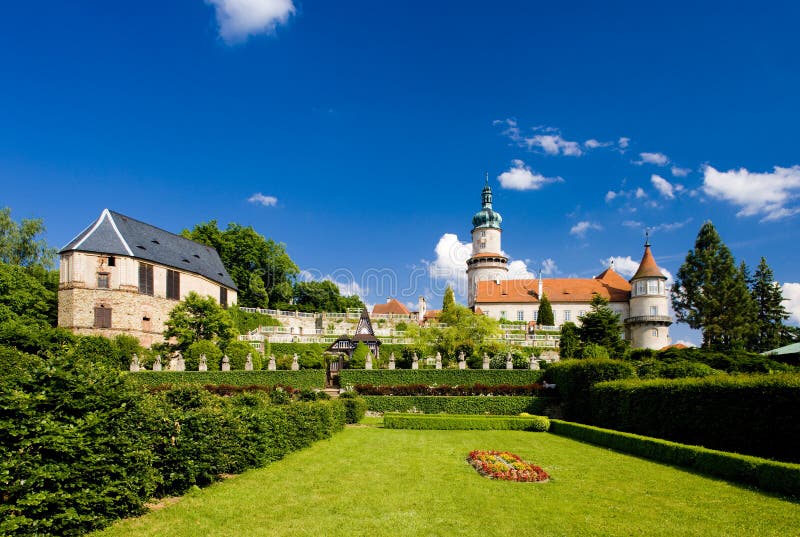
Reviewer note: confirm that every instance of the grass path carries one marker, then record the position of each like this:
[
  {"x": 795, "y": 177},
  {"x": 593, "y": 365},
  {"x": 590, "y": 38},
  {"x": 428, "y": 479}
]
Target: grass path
[{"x": 375, "y": 482}]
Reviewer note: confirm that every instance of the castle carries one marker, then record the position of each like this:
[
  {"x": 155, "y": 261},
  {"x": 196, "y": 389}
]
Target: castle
[{"x": 641, "y": 301}]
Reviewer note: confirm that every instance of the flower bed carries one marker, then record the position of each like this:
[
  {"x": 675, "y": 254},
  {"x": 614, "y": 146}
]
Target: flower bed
[{"x": 506, "y": 466}]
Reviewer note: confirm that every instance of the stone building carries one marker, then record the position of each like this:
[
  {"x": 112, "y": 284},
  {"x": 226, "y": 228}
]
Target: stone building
[
  {"x": 641, "y": 301},
  {"x": 123, "y": 276}
]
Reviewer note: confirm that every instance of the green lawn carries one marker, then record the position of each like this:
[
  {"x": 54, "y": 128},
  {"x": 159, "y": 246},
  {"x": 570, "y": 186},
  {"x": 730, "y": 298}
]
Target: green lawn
[{"x": 372, "y": 481}]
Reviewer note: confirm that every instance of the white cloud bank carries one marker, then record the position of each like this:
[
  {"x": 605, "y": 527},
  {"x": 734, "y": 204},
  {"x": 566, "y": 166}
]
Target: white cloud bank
[
  {"x": 239, "y": 19},
  {"x": 450, "y": 265},
  {"x": 663, "y": 186},
  {"x": 521, "y": 177},
  {"x": 659, "y": 159},
  {"x": 765, "y": 194},
  {"x": 261, "y": 199},
  {"x": 580, "y": 229},
  {"x": 791, "y": 301}
]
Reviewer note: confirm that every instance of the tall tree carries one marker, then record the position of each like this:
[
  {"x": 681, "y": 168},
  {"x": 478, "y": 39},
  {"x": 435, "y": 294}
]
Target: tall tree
[
  {"x": 770, "y": 313},
  {"x": 323, "y": 296},
  {"x": 569, "y": 345},
  {"x": 21, "y": 243},
  {"x": 245, "y": 254},
  {"x": 545, "y": 317},
  {"x": 711, "y": 294},
  {"x": 198, "y": 318},
  {"x": 600, "y": 325},
  {"x": 448, "y": 314}
]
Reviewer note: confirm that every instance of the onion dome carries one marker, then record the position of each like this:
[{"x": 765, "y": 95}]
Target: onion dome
[{"x": 487, "y": 217}]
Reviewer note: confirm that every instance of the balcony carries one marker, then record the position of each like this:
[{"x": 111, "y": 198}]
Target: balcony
[{"x": 656, "y": 319}]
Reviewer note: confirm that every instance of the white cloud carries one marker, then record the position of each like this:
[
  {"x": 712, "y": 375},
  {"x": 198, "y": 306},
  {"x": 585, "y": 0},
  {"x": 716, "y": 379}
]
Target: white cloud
[
  {"x": 580, "y": 229},
  {"x": 610, "y": 195},
  {"x": 623, "y": 142},
  {"x": 594, "y": 144},
  {"x": 521, "y": 177},
  {"x": 632, "y": 223},
  {"x": 261, "y": 199},
  {"x": 554, "y": 144},
  {"x": 239, "y": 19},
  {"x": 765, "y": 194},
  {"x": 680, "y": 172},
  {"x": 450, "y": 265},
  {"x": 518, "y": 270},
  {"x": 663, "y": 186},
  {"x": 659, "y": 159},
  {"x": 627, "y": 267},
  {"x": 791, "y": 301},
  {"x": 640, "y": 193},
  {"x": 549, "y": 267}
]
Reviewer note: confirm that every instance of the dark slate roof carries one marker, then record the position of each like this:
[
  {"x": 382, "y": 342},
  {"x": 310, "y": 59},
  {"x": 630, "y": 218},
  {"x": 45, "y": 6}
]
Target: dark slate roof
[{"x": 117, "y": 234}]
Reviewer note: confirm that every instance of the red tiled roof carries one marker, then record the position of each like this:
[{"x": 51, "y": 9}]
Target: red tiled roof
[
  {"x": 432, "y": 314},
  {"x": 648, "y": 267},
  {"x": 392, "y": 306},
  {"x": 608, "y": 284},
  {"x": 675, "y": 346}
]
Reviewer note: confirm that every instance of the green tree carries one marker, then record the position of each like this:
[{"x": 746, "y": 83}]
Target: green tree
[
  {"x": 213, "y": 355},
  {"x": 323, "y": 296},
  {"x": 602, "y": 326},
  {"x": 545, "y": 317},
  {"x": 570, "y": 343},
  {"x": 771, "y": 313},
  {"x": 594, "y": 350},
  {"x": 198, "y": 318},
  {"x": 245, "y": 253},
  {"x": 711, "y": 294},
  {"x": 21, "y": 244},
  {"x": 359, "y": 357},
  {"x": 465, "y": 330},
  {"x": 448, "y": 314}
]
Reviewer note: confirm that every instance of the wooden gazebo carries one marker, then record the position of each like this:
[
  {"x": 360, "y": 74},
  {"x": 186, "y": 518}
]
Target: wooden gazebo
[{"x": 345, "y": 345}]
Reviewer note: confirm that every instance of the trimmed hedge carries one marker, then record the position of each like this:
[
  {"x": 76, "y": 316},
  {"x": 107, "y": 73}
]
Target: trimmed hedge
[
  {"x": 771, "y": 476},
  {"x": 355, "y": 407},
  {"x": 452, "y": 377},
  {"x": 458, "y": 423},
  {"x": 574, "y": 378},
  {"x": 753, "y": 414},
  {"x": 431, "y": 404},
  {"x": 444, "y": 389},
  {"x": 308, "y": 378}
]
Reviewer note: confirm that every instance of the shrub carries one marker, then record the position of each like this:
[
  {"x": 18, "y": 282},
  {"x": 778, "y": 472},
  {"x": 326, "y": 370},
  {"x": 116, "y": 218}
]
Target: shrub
[
  {"x": 594, "y": 350},
  {"x": 237, "y": 352},
  {"x": 192, "y": 355},
  {"x": 310, "y": 355},
  {"x": 574, "y": 378},
  {"x": 508, "y": 405},
  {"x": 296, "y": 379},
  {"x": 444, "y": 389},
  {"x": 772, "y": 476},
  {"x": 680, "y": 369},
  {"x": 754, "y": 414},
  {"x": 483, "y": 423},
  {"x": 432, "y": 377},
  {"x": 355, "y": 407}
]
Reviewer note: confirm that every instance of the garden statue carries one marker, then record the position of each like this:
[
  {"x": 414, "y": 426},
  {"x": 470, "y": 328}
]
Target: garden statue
[
  {"x": 414, "y": 361},
  {"x": 248, "y": 365},
  {"x": 485, "y": 361},
  {"x": 438, "y": 360},
  {"x": 226, "y": 363},
  {"x": 295, "y": 363},
  {"x": 391, "y": 361},
  {"x": 462, "y": 360},
  {"x": 368, "y": 361},
  {"x": 534, "y": 362},
  {"x": 509, "y": 361},
  {"x": 134, "y": 363},
  {"x": 272, "y": 366},
  {"x": 157, "y": 363},
  {"x": 203, "y": 366}
]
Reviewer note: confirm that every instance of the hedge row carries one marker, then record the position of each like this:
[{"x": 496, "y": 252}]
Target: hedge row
[
  {"x": 509, "y": 405},
  {"x": 753, "y": 414},
  {"x": 305, "y": 378},
  {"x": 444, "y": 389},
  {"x": 574, "y": 378},
  {"x": 772, "y": 476},
  {"x": 482, "y": 423},
  {"x": 452, "y": 377}
]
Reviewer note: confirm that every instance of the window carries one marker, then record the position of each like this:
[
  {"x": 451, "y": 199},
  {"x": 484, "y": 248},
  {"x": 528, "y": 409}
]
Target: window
[
  {"x": 520, "y": 315},
  {"x": 112, "y": 261},
  {"x": 581, "y": 313},
  {"x": 223, "y": 297},
  {"x": 652, "y": 287},
  {"x": 173, "y": 284},
  {"x": 146, "y": 279},
  {"x": 483, "y": 233},
  {"x": 502, "y": 315},
  {"x": 567, "y": 315},
  {"x": 102, "y": 280},
  {"x": 483, "y": 244},
  {"x": 102, "y": 317},
  {"x": 653, "y": 310},
  {"x": 536, "y": 315},
  {"x": 639, "y": 288},
  {"x": 654, "y": 333}
]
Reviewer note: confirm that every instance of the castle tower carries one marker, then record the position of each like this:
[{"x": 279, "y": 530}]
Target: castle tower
[
  {"x": 649, "y": 321},
  {"x": 487, "y": 262}
]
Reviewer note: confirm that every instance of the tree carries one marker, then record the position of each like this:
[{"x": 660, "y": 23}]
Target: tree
[
  {"x": 245, "y": 254},
  {"x": 198, "y": 318},
  {"x": 448, "y": 314},
  {"x": 570, "y": 344},
  {"x": 546, "y": 317},
  {"x": 465, "y": 330},
  {"x": 602, "y": 326},
  {"x": 323, "y": 296},
  {"x": 711, "y": 294},
  {"x": 19, "y": 244},
  {"x": 770, "y": 313}
]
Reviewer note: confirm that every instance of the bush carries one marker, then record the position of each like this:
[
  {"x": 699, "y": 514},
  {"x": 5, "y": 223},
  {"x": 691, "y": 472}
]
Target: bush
[
  {"x": 296, "y": 379},
  {"x": 753, "y": 414},
  {"x": 594, "y": 350},
  {"x": 192, "y": 355},
  {"x": 355, "y": 407},
  {"x": 310, "y": 355},
  {"x": 507, "y": 405},
  {"x": 444, "y": 389},
  {"x": 482, "y": 423},
  {"x": 433, "y": 377},
  {"x": 237, "y": 352},
  {"x": 574, "y": 378},
  {"x": 681, "y": 369},
  {"x": 772, "y": 476}
]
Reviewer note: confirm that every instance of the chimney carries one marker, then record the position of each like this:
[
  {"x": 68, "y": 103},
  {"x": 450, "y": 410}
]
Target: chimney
[{"x": 540, "y": 284}]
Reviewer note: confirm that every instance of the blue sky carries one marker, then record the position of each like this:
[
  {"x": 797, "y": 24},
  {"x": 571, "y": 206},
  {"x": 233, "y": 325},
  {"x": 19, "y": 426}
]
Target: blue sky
[{"x": 367, "y": 127}]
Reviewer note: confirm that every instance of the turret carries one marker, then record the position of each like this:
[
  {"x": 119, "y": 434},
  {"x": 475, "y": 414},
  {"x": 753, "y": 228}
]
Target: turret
[
  {"x": 649, "y": 321},
  {"x": 487, "y": 262}
]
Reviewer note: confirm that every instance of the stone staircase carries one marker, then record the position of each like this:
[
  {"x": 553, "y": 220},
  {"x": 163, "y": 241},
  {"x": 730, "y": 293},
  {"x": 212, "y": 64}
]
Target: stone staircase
[{"x": 333, "y": 392}]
